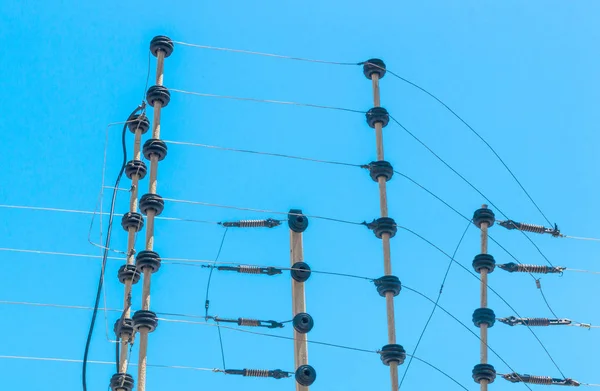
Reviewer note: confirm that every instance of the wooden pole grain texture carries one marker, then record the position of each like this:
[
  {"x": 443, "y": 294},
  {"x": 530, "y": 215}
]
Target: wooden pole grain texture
[
  {"x": 150, "y": 216},
  {"x": 483, "y": 329},
  {"x": 298, "y": 305},
  {"x": 385, "y": 238},
  {"x": 131, "y": 236}
]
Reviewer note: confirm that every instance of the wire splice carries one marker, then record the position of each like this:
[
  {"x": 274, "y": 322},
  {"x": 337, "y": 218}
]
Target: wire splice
[
  {"x": 514, "y": 321},
  {"x": 542, "y": 380},
  {"x": 524, "y": 268},
  {"x": 250, "y": 269},
  {"x": 268, "y": 223},
  {"x": 538, "y": 229},
  {"x": 270, "y": 324},
  {"x": 275, "y": 373}
]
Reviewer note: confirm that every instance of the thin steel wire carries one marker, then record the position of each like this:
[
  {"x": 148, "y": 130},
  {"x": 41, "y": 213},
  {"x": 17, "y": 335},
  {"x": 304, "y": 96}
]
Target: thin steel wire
[
  {"x": 264, "y": 54},
  {"x": 436, "y": 302},
  {"x": 280, "y": 102},
  {"x": 490, "y": 288},
  {"x": 262, "y": 153},
  {"x": 76, "y": 361}
]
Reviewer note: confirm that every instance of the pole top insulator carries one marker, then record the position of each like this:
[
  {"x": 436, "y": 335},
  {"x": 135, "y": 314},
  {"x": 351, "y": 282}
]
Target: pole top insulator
[
  {"x": 297, "y": 221},
  {"x": 374, "y": 66},
  {"x": 161, "y": 42},
  {"x": 484, "y": 215}
]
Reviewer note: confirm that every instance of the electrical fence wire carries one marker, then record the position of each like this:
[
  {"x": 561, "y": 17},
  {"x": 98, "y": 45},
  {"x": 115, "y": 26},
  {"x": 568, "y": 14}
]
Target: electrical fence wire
[
  {"x": 436, "y": 302},
  {"x": 396, "y": 75}
]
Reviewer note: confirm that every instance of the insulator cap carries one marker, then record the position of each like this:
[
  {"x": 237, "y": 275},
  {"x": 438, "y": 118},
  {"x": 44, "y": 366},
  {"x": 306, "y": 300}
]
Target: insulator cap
[
  {"x": 128, "y": 273},
  {"x": 392, "y": 353},
  {"x": 383, "y": 225},
  {"x": 484, "y": 262},
  {"x": 123, "y": 327},
  {"x": 158, "y": 94},
  {"x": 147, "y": 259},
  {"x": 161, "y": 42},
  {"x": 388, "y": 284},
  {"x": 484, "y": 215},
  {"x": 153, "y": 202},
  {"x": 303, "y": 322},
  {"x": 145, "y": 320},
  {"x": 305, "y": 375},
  {"x": 297, "y": 221},
  {"x": 155, "y": 146},
  {"x": 132, "y": 220},
  {"x": 381, "y": 168},
  {"x": 484, "y": 372},
  {"x": 372, "y": 66},
  {"x": 377, "y": 114},
  {"x": 135, "y": 167},
  {"x": 138, "y": 122},
  {"x": 300, "y": 271},
  {"x": 121, "y": 382},
  {"x": 484, "y": 316}
]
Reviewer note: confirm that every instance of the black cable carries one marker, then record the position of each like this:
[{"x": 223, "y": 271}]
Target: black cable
[
  {"x": 221, "y": 343},
  {"x": 477, "y": 134},
  {"x": 544, "y": 297},
  {"x": 436, "y": 301},
  {"x": 105, "y": 253}
]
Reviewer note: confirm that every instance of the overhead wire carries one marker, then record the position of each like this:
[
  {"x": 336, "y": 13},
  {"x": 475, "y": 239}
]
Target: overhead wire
[{"x": 436, "y": 302}]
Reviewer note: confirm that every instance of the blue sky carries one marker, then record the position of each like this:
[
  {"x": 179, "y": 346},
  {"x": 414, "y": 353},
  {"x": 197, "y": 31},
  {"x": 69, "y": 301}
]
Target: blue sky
[{"x": 524, "y": 74}]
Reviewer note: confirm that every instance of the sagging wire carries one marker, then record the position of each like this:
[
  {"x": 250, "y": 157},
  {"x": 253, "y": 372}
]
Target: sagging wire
[
  {"x": 435, "y": 303},
  {"x": 280, "y": 102},
  {"x": 413, "y": 84}
]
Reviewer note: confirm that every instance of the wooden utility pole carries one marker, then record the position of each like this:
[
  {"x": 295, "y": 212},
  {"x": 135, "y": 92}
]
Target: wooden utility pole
[
  {"x": 302, "y": 321},
  {"x": 384, "y": 227},
  {"x": 152, "y": 205},
  {"x": 484, "y": 317}
]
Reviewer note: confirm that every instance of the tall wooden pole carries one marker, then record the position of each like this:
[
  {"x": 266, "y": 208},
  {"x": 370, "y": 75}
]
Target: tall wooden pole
[
  {"x": 484, "y": 317},
  {"x": 302, "y": 321},
  {"x": 384, "y": 227},
  {"x": 151, "y": 204}
]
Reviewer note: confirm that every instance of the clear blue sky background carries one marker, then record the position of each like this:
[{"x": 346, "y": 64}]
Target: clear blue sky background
[{"x": 525, "y": 74}]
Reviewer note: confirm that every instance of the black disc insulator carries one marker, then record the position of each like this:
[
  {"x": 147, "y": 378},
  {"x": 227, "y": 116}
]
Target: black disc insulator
[
  {"x": 388, "y": 284},
  {"x": 372, "y": 66},
  {"x": 484, "y": 215},
  {"x": 383, "y": 225},
  {"x": 123, "y": 327},
  {"x": 145, "y": 320},
  {"x": 484, "y": 372},
  {"x": 128, "y": 273},
  {"x": 381, "y": 168},
  {"x": 300, "y": 271},
  {"x": 161, "y": 42},
  {"x": 484, "y": 316},
  {"x": 303, "y": 322},
  {"x": 138, "y": 122},
  {"x": 152, "y": 202},
  {"x": 484, "y": 262},
  {"x": 305, "y": 375},
  {"x": 392, "y": 353},
  {"x": 378, "y": 114},
  {"x": 155, "y": 146},
  {"x": 121, "y": 382},
  {"x": 147, "y": 259},
  {"x": 135, "y": 167},
  {"x": 132, "y": 220},
  {"x": 158, "y": 94},
  {"x": 297, "y": 221}
]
